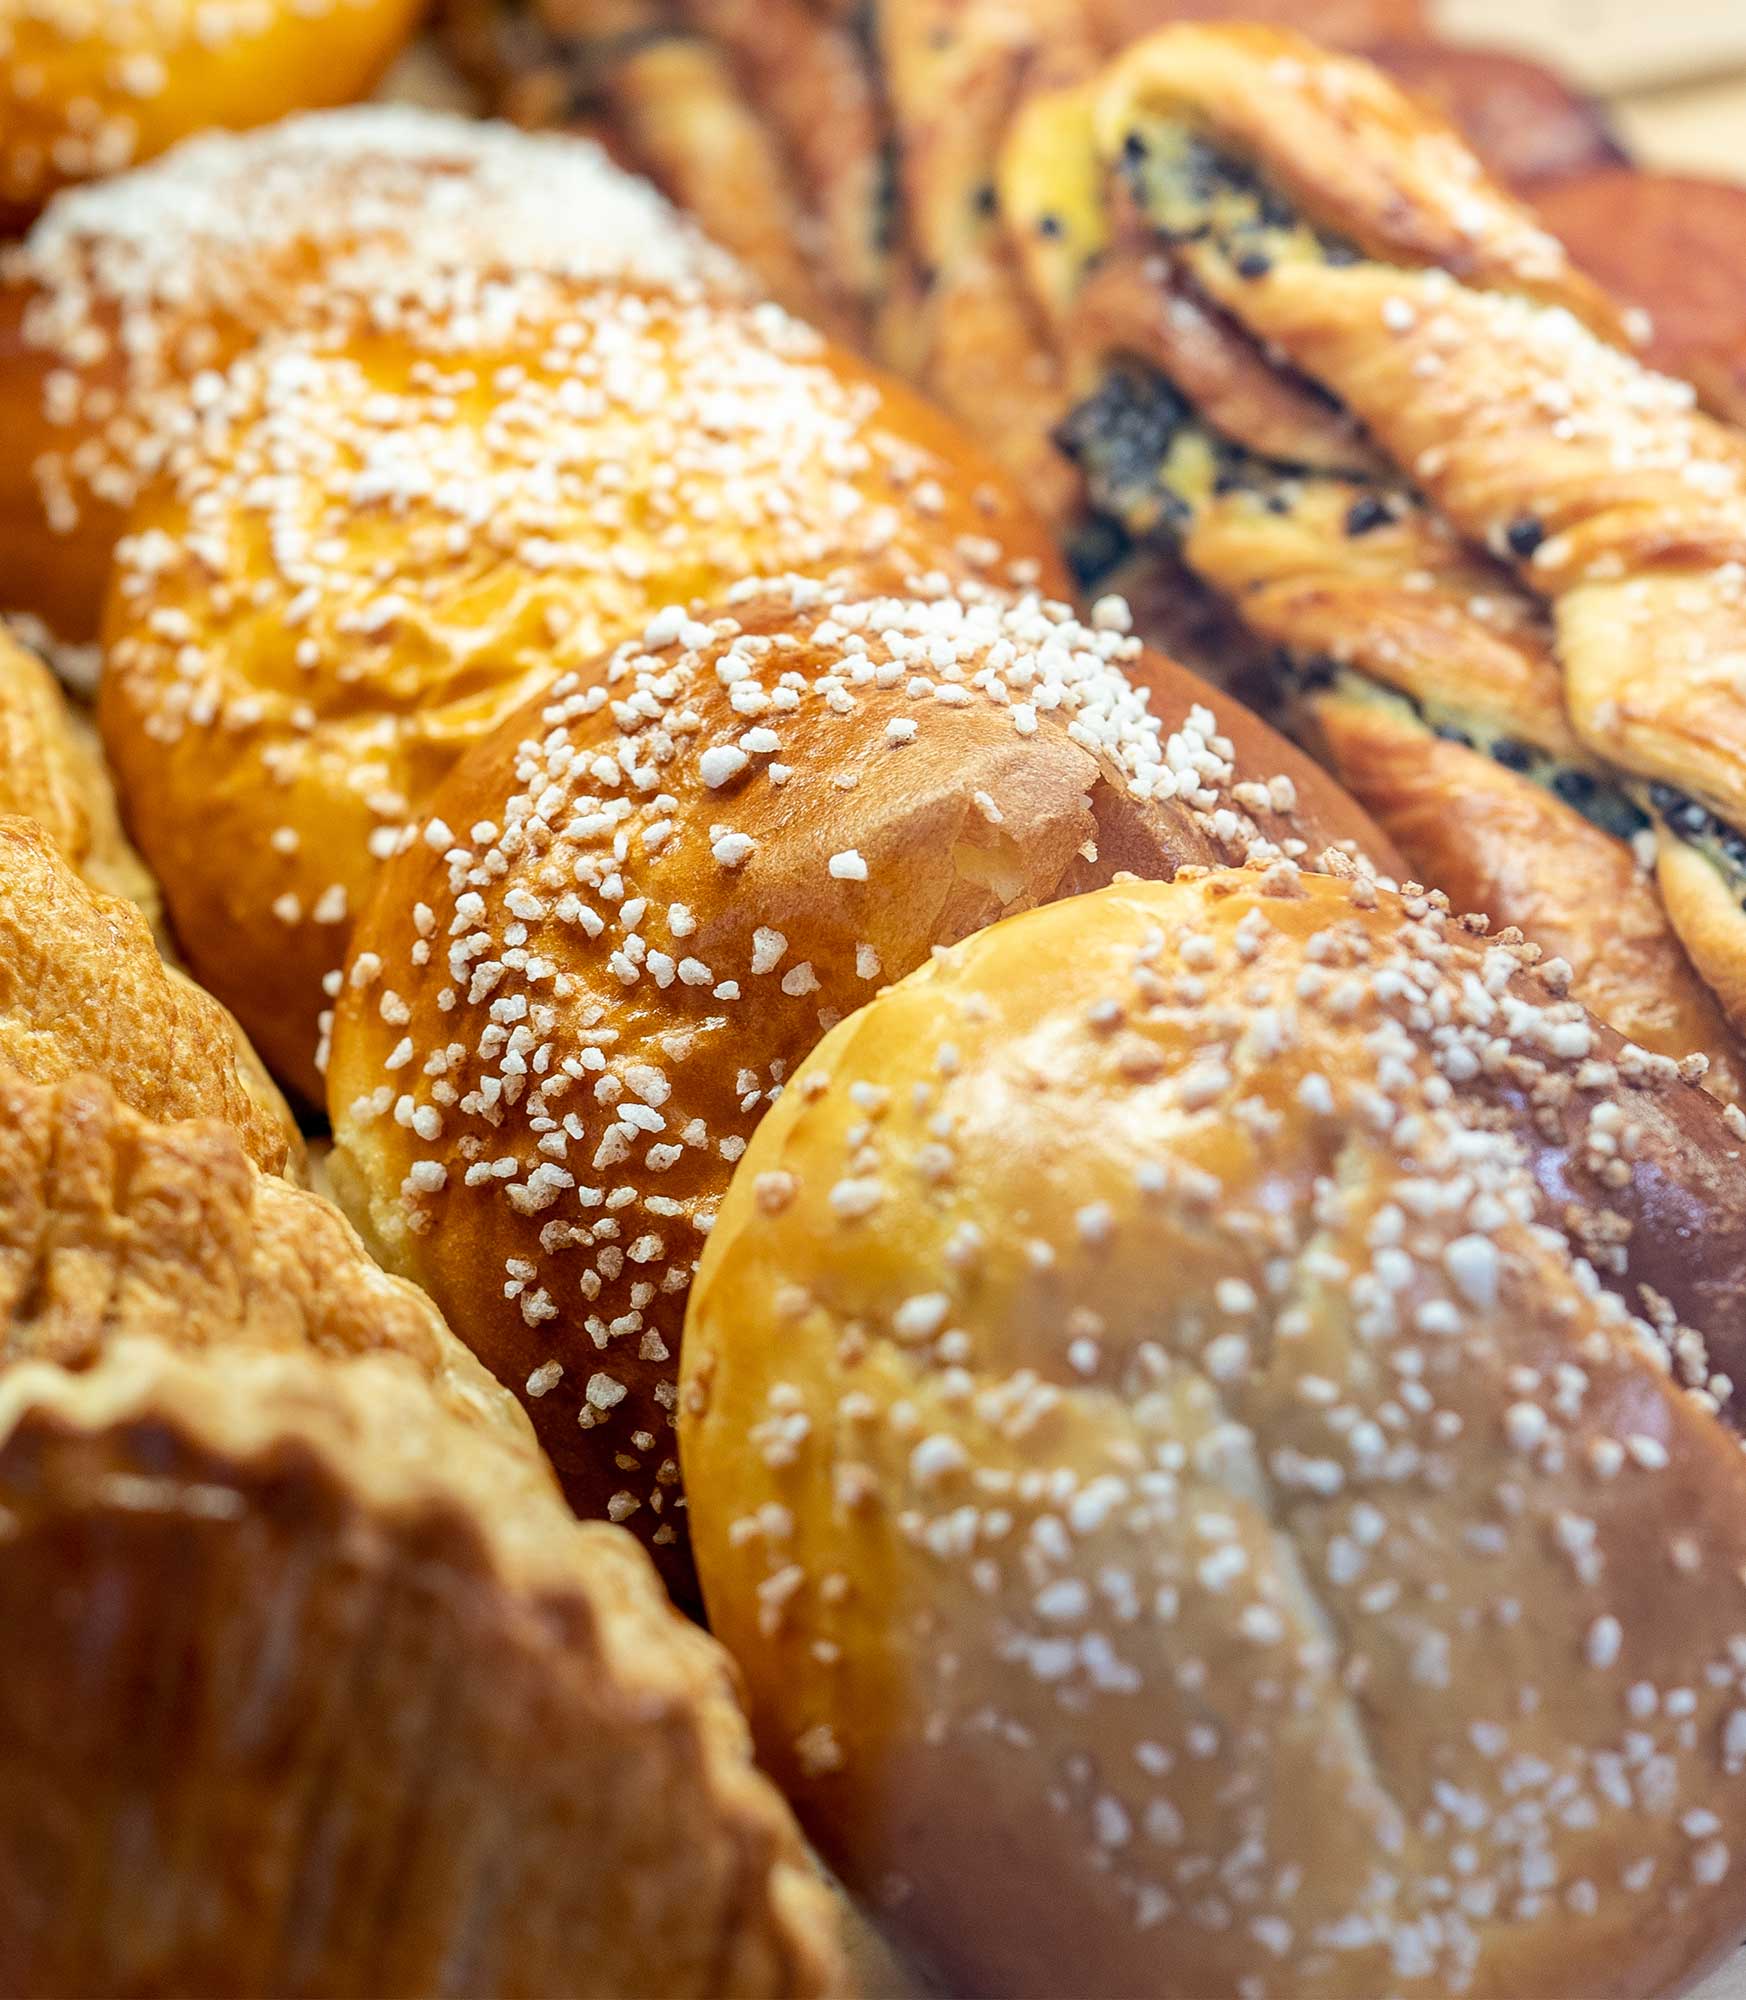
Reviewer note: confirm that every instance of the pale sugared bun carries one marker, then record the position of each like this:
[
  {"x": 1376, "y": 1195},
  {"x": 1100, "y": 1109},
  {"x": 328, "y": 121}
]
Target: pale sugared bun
[
  {"x": 347, "y": 1700},
  {"x": 123, "y": 293},
  {"x": 377, "y": 539},
  {"x": 88, "y": 87},
  {"x": 1192, "y": 1517},
  {"x": 642, "y": 902}
]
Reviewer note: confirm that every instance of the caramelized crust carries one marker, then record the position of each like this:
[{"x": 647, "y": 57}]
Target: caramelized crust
[
  {"x": 645, "y": 898},
  {"x": 1155, "y": 1438},
  {"x": 82, "y": 988},
  {"x": 345, "y": 1699},
  {"x": 538, "y": 466},
  {"x": 51, "y": 771}
]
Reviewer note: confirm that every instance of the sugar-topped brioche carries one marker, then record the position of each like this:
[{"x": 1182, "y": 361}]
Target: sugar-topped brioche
[
  {"x": 1183, "y": 1450},
  {"x": 379, "y": 541},
  {"x": 347, "y": 1700},
  {"x": 83, "y": 989},
  {"x": 639, "y": 905},
  {"x": 88, "y": 87},
  {"x": 125, "y": 292}
]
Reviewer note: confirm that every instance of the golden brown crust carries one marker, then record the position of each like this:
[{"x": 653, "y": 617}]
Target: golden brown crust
[
  {"x": 288, "y": 1581},
  {"x": 1709, "y": 920},
  {"x": 277, "y": 715},
  {"x": 1493, "y": 374},
  {"x": 84, "y": 94},
  {"x": 1168, "y": 1453},
  {"x": 1510, "y": 849},
  {"x": 82, "y": 988},
  {"x": 559, "y": 1027},
  {"x": 51, "y": 771},
  {"x": 123, "y": 292},
  {"x": 1530, "y": 127}
]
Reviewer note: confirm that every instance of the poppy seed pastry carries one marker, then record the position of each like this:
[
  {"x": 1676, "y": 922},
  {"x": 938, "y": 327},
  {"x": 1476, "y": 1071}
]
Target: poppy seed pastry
[
  {"x": 638, "y": 906},
  {"x": 1188, "y": 1446},
  {"x": 315, "y": 1684},
  {"x": 88, "y": 90},
  {"x": 124, "y": 292},
  {"x": 382, "y": 536}
]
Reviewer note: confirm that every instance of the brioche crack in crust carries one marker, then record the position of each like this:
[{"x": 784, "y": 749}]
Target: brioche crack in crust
[
  {"x": 646, "y": 898},
  {"x": 1119, "y": 1251}
]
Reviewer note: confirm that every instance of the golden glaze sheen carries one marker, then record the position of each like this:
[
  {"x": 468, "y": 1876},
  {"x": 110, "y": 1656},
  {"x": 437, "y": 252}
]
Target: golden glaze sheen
[
  {"x": 87, "y": 89},
  {"x": 347, "y": 1700},
  {"x": 1189, "y": 1516},
  {"x": 124, "y": 291},
  {"x": 383, "y": 539},
  {"x": 641, "y": 902}
]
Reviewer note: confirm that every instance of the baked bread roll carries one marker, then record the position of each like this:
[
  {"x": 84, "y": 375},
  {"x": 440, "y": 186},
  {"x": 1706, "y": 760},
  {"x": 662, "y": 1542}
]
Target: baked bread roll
[
  {"x": 86, "y": 91},
  {"x": 381, "y": 537},
  {"x": 1668, "y": 244},
  {"x": 52, "y": 771},
  {"x": 314, "y": 1685},
  {"x": 125, "y": 292},
  {"x": 1190, "y": 1448},
  {"x": 82, "y": 988},
  {"x": 638, "y": 906}
]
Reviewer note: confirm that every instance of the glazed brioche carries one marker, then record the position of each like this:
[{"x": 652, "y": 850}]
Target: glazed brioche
[
  {"x": 382, "y": 537},
  {"x": 639, "y": 904},
  {"x": 301, "y": 1623},
  {"x": 123, "y": 293},
  {"x": 83, "y": 989},
  {"x": 86, "y": 91},
  {"x": 1188, "y": 1446}
]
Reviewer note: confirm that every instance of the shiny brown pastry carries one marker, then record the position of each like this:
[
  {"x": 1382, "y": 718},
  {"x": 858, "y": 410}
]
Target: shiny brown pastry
[
  {"x": 1670, "y": 244},
  {"x": 88, "y": 90},
  {"x": 384, "y": 537},
  {"x": 125, "y": 292},
  {"x": 82, "y": 988},
  {"x": 641, "y": 903},
  {"x": 52, "y": 771},
  {"x": 1189, "y": 1517},
  {"x": 314, "y": 1686},
  {"x": 1527, "y": 124}
]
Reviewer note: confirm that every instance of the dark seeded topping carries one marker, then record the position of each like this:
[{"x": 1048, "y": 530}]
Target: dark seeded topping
[
  {"x": 1367, "y": 513},
  {"x": 1524, "y": 536},
  {"x": 1049, "y": 225},
  {"x": 1254, "y": 264},
  {"x": 1575, "y": 788},
  {"x": 1513, "y": 755},
  {"x": 1133, "y": 147}
]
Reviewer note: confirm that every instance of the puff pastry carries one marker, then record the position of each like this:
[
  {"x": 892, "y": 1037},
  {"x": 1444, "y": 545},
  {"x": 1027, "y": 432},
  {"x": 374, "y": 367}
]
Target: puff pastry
[{"x": 314, "y": 1684}]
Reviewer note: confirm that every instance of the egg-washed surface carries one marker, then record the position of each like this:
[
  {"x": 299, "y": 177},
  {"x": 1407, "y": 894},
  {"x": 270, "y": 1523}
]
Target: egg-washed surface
[
  {"x": 641, "y": 904},
  {"x": 382, "y": 534},
  {"x": 1387, "y": 626},
  {"x": 87, "y": 90},
  {"x": 1156, "y": 1429},
  {"x": 124, "y": 293}
]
